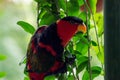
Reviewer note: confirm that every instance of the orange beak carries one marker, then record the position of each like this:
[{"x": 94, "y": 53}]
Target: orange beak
[{"x": 82, "y": 28}]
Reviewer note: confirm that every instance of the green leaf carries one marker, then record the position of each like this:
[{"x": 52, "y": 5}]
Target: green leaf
[
  {"x": 83, "y": 16},
  {"x": 48, "y": 19},
  {"x": 70, "y": 77},
  {"x": 39, "y": 1},
  {"x": 69, "y": 69},
  {"x": 26, "y": 78},
  {"x": 73, "y": 8},
  {"x": 84, "y": 40},
  {"x": 75, "y": 39},
  {"x": 77, "y": 52},
  {"x": 100, "y": 55},
  {"x": 81, "y": 59},
  {"x": 2, "y": 74},
  {"x": 2, "y": 57},
  {"x": 26, "y": 72},
  {"x": 26, "y": 26},
  {"x": 96, "y": 71},
  {"x": 82, "y": 45},
  {"x": 82, "y": 48},
  {"x": 79, "y": 34},
  {"x": 62, "y": 13},
  {"x": 82, "y": 67},
  {"x": 70, "y": 47},
  {"x": 82, "y": 62},
  {"x": 99, "y": 23},
  {"x": 81, "y": 2},
  {"x": 62, "y": 4},
  {"x": 85, "y": 76},
  {"x": 36, "y": 0},
  {"x": 52, "y": 77},
  {"x": 42, "y": 13},
  {"x": 94, "y": 43},
  {"x": 23, "y": 61},
  {"x": 93, "y": 5}
]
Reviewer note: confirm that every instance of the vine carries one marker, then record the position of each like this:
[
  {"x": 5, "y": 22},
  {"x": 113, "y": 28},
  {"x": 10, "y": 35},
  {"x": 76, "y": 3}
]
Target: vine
[{"x": 88, "y": 10}]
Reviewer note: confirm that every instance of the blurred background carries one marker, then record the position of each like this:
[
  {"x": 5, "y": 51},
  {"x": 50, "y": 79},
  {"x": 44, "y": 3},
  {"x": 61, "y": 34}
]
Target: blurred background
[{"x": 13, "y": 39}]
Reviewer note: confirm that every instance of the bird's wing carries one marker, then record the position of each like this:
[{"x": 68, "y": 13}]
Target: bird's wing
[
  {"x": 37, "y": 55},
  {"x": 44, "y": 55}
]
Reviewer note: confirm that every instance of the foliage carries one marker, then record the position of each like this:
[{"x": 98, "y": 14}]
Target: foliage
[
  {"x": 51, "y": 10},
  {"x": 26, "y": 26},
  {"x": 2, "y": 74},
  {"x": 2, "y": 57},
  {"x": 96, "y": 70}
]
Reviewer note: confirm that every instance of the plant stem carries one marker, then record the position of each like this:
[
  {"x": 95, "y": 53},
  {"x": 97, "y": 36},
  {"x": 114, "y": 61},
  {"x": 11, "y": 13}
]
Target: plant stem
[
  {"x": 96, "y": 33},
  {"x": 38, "y": 9},
  {"x": 77, "y": 75},
  {"x": 89, "y": 56},
  {"x": 89, "y": 10},
  {"x": 66, "y": 11}
]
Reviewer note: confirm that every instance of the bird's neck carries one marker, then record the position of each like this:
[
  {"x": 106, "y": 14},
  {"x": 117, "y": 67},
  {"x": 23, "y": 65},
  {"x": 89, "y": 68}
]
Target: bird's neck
[{"x": 66, "y": 31}]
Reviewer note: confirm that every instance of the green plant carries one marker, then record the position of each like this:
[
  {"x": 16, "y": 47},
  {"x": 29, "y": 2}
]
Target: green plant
[
  {"x": 2, "y": 57},
  {"x": 84, "y": 47}
]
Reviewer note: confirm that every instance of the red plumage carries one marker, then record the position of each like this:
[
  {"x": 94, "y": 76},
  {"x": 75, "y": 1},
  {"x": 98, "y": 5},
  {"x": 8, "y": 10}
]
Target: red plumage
[{"x": 45, "y": 51}]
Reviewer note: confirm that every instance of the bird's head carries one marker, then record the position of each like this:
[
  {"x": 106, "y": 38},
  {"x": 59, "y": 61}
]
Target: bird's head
[
  {"x": 68, "y": 26},
  {"x": 75, "y": 22}
]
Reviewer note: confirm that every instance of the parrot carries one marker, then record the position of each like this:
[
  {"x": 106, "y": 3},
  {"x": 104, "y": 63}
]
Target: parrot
[{"x": 46, "y": 48}]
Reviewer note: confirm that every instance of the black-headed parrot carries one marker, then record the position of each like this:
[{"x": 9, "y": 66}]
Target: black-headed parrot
[{"x": 45, "y": 50}]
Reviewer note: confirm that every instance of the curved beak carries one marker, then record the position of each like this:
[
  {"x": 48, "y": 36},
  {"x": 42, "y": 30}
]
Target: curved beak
[{"x": 82, "y": 28}]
